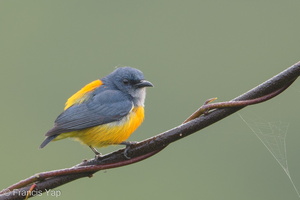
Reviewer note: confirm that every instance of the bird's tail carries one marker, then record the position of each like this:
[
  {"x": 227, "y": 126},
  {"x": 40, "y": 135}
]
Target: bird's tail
[{"x": 47, "y": 140}]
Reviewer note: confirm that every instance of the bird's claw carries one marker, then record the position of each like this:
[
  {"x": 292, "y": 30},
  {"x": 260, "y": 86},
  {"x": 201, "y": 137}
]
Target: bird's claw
[
  {"x": 98, "y": 156},
  {"x": 128, "y": 144}
]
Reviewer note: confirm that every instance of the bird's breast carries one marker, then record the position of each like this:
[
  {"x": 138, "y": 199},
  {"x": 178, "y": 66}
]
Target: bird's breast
[{"x": 114, "y": 132}]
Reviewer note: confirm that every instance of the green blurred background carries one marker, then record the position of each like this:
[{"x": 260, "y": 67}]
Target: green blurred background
[{"x": 190, "y": 51}]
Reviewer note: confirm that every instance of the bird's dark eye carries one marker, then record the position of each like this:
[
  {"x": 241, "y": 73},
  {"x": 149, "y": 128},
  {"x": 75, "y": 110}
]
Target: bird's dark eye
[{"x": 125, "y": 81}]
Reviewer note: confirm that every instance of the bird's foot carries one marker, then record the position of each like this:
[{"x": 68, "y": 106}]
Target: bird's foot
[{"x": 128, "y": 144}]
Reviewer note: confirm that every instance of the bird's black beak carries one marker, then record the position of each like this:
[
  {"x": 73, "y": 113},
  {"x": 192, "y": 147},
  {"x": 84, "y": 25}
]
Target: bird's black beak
[{"x": 144, "y": 83}]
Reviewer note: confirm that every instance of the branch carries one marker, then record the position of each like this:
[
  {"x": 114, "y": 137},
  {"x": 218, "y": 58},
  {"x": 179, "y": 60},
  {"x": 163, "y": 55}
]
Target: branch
[{"x": 203, "y": 117}]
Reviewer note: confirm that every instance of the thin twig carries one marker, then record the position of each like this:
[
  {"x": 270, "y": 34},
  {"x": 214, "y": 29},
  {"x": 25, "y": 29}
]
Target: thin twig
[{"x": 207, "y": 106}]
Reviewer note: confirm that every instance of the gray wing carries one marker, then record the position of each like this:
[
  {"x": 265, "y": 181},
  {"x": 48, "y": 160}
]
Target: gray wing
[{"x": 106, "y": 107}]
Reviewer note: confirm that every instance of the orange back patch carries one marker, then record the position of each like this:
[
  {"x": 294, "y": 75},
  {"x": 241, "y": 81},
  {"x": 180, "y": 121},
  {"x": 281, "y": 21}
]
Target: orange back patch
[{"x": 82, "y": 94}]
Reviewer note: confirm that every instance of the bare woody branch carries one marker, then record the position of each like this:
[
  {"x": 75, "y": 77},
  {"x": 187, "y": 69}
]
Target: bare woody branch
[{"x": 203, "y": 117}]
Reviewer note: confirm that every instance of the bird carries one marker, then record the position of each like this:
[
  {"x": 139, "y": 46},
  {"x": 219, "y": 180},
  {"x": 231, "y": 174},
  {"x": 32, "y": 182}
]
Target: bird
[{"x": 104, "y": 112}]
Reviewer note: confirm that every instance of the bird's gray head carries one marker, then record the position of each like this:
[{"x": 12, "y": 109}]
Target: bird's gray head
[{"x": 130, "y": 81}]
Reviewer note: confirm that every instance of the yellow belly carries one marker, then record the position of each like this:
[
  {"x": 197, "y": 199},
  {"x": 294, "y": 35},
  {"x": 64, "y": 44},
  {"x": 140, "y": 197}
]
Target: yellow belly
[{"x": 108, "y": 134}]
